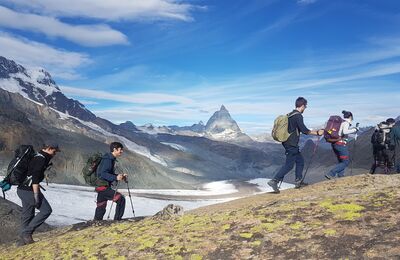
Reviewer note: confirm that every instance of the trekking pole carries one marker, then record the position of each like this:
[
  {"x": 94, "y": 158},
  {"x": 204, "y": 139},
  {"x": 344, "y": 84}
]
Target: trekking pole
[
  {"x": 312, "y": 158},
  {"x": 112, "y": 202},
  {"x": 130, "y": 197}
]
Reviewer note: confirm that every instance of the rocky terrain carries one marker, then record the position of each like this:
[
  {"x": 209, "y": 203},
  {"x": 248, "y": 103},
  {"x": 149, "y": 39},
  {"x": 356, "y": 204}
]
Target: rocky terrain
[{"x": 350, "y": 218}]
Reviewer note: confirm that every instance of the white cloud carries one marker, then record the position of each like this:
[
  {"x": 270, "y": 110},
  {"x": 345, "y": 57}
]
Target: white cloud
[
  {"x": 87, "y": 35},
  {"x": 138, "y": 98},
  {"x": 306, "y": 2},
  {"x": 112, "y": 10},
  {"x": 58, "y": 62}
]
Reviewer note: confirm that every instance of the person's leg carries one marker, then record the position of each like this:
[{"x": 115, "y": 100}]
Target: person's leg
[
  {"x": 343, "y": 158},
  {"x": 27, "y": 214},
  {"x": 291, "y": 154},
  {"x": 119, "y": 199},
  {"x": 44, "y": 212},
  {"x": 28, "y": 209},
  {"x": 332, "y": 173},
  {"x": 101, "y": 203},
  {"x": 299, "y": 167}
]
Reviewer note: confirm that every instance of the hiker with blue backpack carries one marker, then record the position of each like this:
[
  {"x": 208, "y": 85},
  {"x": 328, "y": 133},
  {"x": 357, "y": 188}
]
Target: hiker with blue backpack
[
  {"x": 336, "y": 133},
  {"x": 287, "y": 129}
]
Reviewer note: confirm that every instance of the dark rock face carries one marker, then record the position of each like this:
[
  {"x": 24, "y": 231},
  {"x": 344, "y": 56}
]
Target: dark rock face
[
  {"x": 8, "y": 67},
  {"x": 10, "y": 215}
]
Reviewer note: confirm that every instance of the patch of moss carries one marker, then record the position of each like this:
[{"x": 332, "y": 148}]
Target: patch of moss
[
  {"x": 246, "y": 235},
  {"x": 196, "y": 257},
  {"x": 330, "y": 232},
  {"x": 346, "y": 211},
  {"x": 226, "y": 227},
  {"x": 255, "y": 243},
  {"x": 296, "y": 226}
]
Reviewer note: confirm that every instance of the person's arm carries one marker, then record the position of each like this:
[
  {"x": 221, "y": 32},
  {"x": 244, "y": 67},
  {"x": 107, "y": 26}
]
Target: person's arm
[
  {"x": 302, "y": 127},
  {"x": 36, "y": 169},
  {"x": 106, "y": 170}
]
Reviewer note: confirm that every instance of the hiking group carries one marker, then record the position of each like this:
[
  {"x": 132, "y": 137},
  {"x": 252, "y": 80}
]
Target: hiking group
[
  {"x": 27, "y": 168},
  {"x": 27, "y": 171},
  {"x": 287, "y": 129}
]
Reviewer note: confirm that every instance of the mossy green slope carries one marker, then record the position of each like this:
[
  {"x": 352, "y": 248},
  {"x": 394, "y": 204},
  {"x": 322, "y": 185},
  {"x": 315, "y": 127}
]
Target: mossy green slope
[{"x": 351, "y": 218}]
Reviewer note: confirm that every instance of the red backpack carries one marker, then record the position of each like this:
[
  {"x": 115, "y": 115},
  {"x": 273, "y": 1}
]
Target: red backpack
[{"x": 331, "y": 133}]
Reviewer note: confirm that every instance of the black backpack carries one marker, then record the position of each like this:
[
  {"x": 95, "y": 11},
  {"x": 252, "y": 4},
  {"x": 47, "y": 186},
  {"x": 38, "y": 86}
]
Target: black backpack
[
  {"x": 380, "y": 138},
  {"x": 17, "y": 171}
]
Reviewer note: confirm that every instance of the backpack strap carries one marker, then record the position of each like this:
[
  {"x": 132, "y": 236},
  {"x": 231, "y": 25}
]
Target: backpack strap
[{"x": 293, "y": 113}]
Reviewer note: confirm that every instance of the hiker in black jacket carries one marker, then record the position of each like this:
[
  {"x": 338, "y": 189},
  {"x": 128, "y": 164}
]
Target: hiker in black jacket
[
  {"x": 292, "y": 150},
  {"x": 106, "y": 176},
  {"x": 31, "y": 196}
]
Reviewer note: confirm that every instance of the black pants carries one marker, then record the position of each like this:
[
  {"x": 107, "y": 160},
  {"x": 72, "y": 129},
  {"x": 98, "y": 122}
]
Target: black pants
[
  {"x": 105, "y": 194},
  {"x": 383, "y": 158},
  {"x": 30, "y": 221}
]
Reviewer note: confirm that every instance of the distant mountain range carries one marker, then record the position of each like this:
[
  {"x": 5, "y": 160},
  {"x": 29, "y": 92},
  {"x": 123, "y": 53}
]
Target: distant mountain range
[
  {"x": 221, "y": 127},
  {"x": 33, "y": 109}
]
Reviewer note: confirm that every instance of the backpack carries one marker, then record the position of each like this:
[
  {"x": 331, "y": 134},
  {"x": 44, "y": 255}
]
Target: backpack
[
  {"x": 90, "y": 168},
  {"x": 381, "y": 136},
  {"x": 331, "y": 131},
  {"x": 280, "y": 130},
  {"x": 17, "y": 170}
]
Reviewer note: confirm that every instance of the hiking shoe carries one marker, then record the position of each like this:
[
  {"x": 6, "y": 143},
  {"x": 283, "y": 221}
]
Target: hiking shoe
[
  {"x": 274, "y": 185},
  {"x": 27, "y": 239},
  {"x": 329, "y": 177},
  {"x": 20, "y": 242},
  {"x": 299, "y": 183}
]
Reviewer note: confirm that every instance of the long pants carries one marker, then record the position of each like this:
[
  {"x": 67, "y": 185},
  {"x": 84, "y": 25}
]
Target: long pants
[
  {"x": 342, "y": 154},
  {"x": 29, "y": 222},
  {"x": 293, "y": 156},
  {"x": 384, "y": 158},
  {"x": 105, "y": 194}
]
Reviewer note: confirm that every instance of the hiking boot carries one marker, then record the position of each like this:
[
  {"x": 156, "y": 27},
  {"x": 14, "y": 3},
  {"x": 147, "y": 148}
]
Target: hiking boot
[
  {"x": 329, "y": 177},
  {"x": 274, "y": 185},
  {"x": 27, "y": 239},
  {"x": 20, "y": 242},
  {"x": 299, "y": 183}
]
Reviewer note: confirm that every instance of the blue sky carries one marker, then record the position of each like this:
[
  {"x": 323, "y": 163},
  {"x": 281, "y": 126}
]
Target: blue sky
[{"x": 175, "y": 62}]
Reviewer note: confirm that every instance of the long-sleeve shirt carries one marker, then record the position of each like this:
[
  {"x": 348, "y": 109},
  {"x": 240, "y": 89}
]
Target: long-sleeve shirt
[
  {"x": 36, "y": 168},
  {"x": 106, "y": 170},
  {"x": 346, "y": 129},
  {"x": 296, "y": 126}
]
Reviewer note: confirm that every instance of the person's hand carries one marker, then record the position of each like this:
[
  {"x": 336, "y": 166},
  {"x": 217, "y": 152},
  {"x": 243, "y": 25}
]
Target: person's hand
[
  {"x": 38, "y": 201},
  {"x": 120, "y": 177},
  {"x": 320, "y": 132}
]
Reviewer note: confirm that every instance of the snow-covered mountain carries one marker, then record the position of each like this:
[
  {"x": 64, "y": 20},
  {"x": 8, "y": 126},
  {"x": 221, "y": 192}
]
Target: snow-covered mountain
[
  {"x": 221, "y": 126},
  {"x": 33, "y": 110},
  {"x": 37, "y": 85}
]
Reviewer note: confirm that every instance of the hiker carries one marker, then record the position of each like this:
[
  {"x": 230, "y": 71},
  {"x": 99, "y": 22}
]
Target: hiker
[
  {"x": 106, "y": 177},
  {"x": 291, "y": 145},
  {"x": 31, "y": 196},
  {"x": 395, "y": 142},
  {"x": 383, "y": 146},
  {"x": 340, "y": 146}
]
